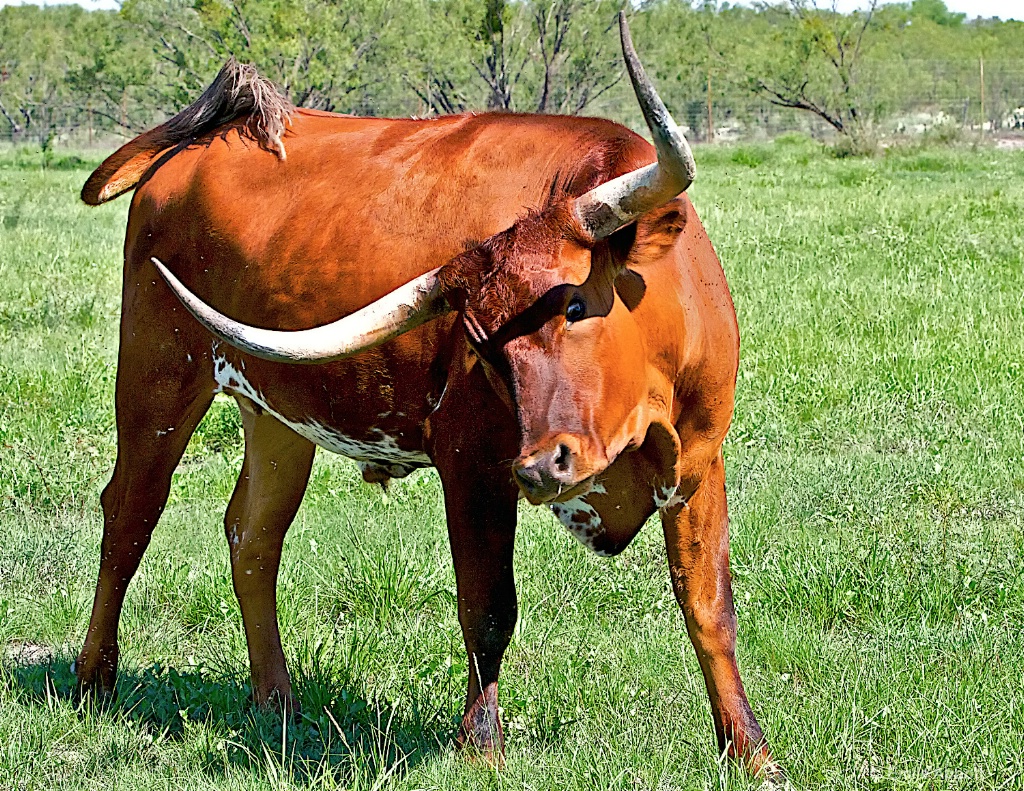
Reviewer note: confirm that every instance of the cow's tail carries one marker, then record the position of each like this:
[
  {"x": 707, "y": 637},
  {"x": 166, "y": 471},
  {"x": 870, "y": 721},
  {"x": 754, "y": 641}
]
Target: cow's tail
[{"x": 237, "y": 91}]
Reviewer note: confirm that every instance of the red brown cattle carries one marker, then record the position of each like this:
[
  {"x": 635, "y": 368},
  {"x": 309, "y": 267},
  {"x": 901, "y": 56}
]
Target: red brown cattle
[{"x": 590, "y": 338}]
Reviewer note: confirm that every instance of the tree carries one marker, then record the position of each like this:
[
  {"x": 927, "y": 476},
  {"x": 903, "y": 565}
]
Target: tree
[
  {"x": 316, "y": 51},
  {"x": 936, "y": 11},
  {"x": 527, "y": 55},
  {"x": 578, "y": 57},
  {"x": 812, "y": 64},
  {"x": 62, "y": 68}
]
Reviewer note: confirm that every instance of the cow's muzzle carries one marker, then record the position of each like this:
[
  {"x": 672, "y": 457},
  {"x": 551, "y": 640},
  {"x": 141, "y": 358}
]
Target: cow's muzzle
[{"x": 546, "y": 474}]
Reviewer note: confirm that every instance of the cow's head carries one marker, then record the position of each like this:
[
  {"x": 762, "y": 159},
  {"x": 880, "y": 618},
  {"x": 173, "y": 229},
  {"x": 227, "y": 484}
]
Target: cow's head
[
  {"x": 546, "y": 305},
  {"x": 557, "y": 342}
]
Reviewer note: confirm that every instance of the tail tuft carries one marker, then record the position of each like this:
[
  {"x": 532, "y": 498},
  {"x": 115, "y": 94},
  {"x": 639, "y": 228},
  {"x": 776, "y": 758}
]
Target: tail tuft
[{"x": 237, "y": 91}]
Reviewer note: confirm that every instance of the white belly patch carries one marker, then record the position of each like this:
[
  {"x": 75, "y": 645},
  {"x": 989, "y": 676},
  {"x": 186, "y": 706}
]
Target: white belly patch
[{"x": 377, "y": 447}]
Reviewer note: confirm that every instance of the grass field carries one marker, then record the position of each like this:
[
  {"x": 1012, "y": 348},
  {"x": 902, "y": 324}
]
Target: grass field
[{"x": 876, "y": 479}]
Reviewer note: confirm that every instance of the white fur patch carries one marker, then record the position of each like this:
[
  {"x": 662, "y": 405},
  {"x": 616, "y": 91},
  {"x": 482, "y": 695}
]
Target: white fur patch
[
  {"x": 669, "y": 497},
  {"x": 664, "y": 495},
  {"x": 379, "y": 447},
  {"x": 582, "y": 520}
]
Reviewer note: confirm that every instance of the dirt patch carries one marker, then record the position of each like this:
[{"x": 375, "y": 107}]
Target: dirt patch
[{"x": 25, "y": 654}]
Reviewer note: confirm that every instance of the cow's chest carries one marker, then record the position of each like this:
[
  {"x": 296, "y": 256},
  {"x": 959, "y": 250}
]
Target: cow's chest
[{"x": 375, "y": 446}]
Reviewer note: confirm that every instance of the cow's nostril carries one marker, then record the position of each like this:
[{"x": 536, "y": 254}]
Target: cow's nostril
[
  {"x": 527, "y": 477},
  {"x": 563, "y": 461}
]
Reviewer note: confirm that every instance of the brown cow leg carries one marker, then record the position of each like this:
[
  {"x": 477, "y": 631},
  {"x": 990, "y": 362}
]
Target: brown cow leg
[
  {"x": 481, "y": 511},
  {"x": 697, "y": 539},
  {"x": 269, "y": 489},
  {"x": 154, "y": 422}
]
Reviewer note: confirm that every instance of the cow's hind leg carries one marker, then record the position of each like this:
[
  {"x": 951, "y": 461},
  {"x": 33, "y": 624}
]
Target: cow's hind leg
[
  {"x": 697, "y": 539},
  {"x": 158, "y": 407},
  {"x": 269, "y": 490}
]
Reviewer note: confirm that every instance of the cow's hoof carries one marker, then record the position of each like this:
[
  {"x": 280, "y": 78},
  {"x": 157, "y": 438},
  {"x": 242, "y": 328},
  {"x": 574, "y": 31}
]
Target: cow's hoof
[
  {"x": 95, "y": 695},
  {"x": 94, "y": 686},
  {"x": 279, "y": 701},
  {"x": 480, "y": 750},
  {"x": 480, "y": 735},
  {"x": 762, "y": 766},
  {"x": 485, "y": 759}
]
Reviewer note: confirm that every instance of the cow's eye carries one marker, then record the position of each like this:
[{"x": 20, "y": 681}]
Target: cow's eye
[{"x": 577, "y": 309}]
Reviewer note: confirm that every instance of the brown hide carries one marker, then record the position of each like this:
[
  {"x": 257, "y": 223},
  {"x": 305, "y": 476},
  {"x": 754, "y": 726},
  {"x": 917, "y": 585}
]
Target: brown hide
[{"x": 218, "y": 215}]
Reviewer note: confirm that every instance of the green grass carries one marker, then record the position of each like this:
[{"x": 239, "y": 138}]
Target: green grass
[{"x": 876, "y": 478}]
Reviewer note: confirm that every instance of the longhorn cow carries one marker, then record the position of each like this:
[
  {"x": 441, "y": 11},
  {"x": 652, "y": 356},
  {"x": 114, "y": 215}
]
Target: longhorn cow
[{"x": 589, "y": 338}]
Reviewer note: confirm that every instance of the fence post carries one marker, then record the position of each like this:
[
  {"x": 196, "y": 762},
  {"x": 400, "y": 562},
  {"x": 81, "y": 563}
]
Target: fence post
[
  {"x": 981, "y": 71},
  {"x": 711, "y": 122}
]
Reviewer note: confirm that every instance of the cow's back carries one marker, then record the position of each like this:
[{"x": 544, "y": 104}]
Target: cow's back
[{"x": 359, "y": 206}]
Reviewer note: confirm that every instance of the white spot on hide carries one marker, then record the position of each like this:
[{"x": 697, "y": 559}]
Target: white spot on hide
[
  {"x": 378, "y": 447},
  {"x": 582, "y": 520},
  {"x": 663, "y": 495},
  {"x": 672, "y": 499}
]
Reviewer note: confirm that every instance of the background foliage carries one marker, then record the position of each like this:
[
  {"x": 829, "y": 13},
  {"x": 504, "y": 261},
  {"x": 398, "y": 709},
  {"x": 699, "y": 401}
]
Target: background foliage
[{"x": 65, "y": 71}]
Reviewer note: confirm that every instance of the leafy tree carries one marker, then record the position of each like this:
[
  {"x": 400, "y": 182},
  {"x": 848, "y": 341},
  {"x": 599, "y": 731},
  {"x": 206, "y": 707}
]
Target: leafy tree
[
  {"x": 936, "y": 11},
  {"x": 772, "y": 66},
  {"x": 317, "y": 52},
  {"x": 577, "y": 51},
  {"x": 813, "y": 63},
  {"x": 528, "y": 55}
]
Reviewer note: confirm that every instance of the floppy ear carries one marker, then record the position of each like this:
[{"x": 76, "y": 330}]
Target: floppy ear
[
  {"x": 616, "y": 252},
  {"x": 620, "y": 244},
  {"x": 662, "y": 227},
  {"x": 612, "y": 254}
]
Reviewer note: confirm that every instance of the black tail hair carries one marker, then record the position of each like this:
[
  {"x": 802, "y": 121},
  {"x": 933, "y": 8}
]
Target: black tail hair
[{"x": 237, "y": 91}]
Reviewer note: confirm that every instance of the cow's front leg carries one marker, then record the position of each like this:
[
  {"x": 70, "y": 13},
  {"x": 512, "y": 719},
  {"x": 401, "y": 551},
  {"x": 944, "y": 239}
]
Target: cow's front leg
[
  {"x": 697, "y": 539},
  {"x": 481, "y": 527}
]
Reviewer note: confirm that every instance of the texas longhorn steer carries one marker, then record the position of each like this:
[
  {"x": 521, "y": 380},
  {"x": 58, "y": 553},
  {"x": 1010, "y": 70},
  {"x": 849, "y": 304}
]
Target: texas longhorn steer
[{"x": 590, "y": 337}]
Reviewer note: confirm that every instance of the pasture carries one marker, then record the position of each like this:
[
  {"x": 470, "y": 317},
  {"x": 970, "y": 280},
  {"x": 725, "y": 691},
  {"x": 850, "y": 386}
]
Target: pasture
[{"x": 876, "y": 481}]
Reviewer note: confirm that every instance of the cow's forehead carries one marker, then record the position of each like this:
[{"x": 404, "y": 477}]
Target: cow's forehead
[
  {"x": 559, "y": 263},
  {"x": 542, "y": 254},
  {"x": 521, "y": 265}
]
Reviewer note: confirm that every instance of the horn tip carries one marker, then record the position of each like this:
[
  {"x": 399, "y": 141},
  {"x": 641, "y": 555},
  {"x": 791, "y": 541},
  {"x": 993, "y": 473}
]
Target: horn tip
[{"x": 169, "y": 278}]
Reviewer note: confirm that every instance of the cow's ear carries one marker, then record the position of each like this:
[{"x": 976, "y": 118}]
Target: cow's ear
[
  {"x": 662, "y": 227},
  {"x": 620, "y": 244},
  {"x": 615, "y": 252}
]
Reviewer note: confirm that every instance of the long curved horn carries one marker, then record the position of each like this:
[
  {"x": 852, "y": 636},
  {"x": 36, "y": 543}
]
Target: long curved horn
[
  {"x": 405, "y": 308},
  {"x": 618, "y": 202}
]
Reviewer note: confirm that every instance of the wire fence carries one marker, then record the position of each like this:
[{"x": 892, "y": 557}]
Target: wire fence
[{"x": 901, "y": 97}]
